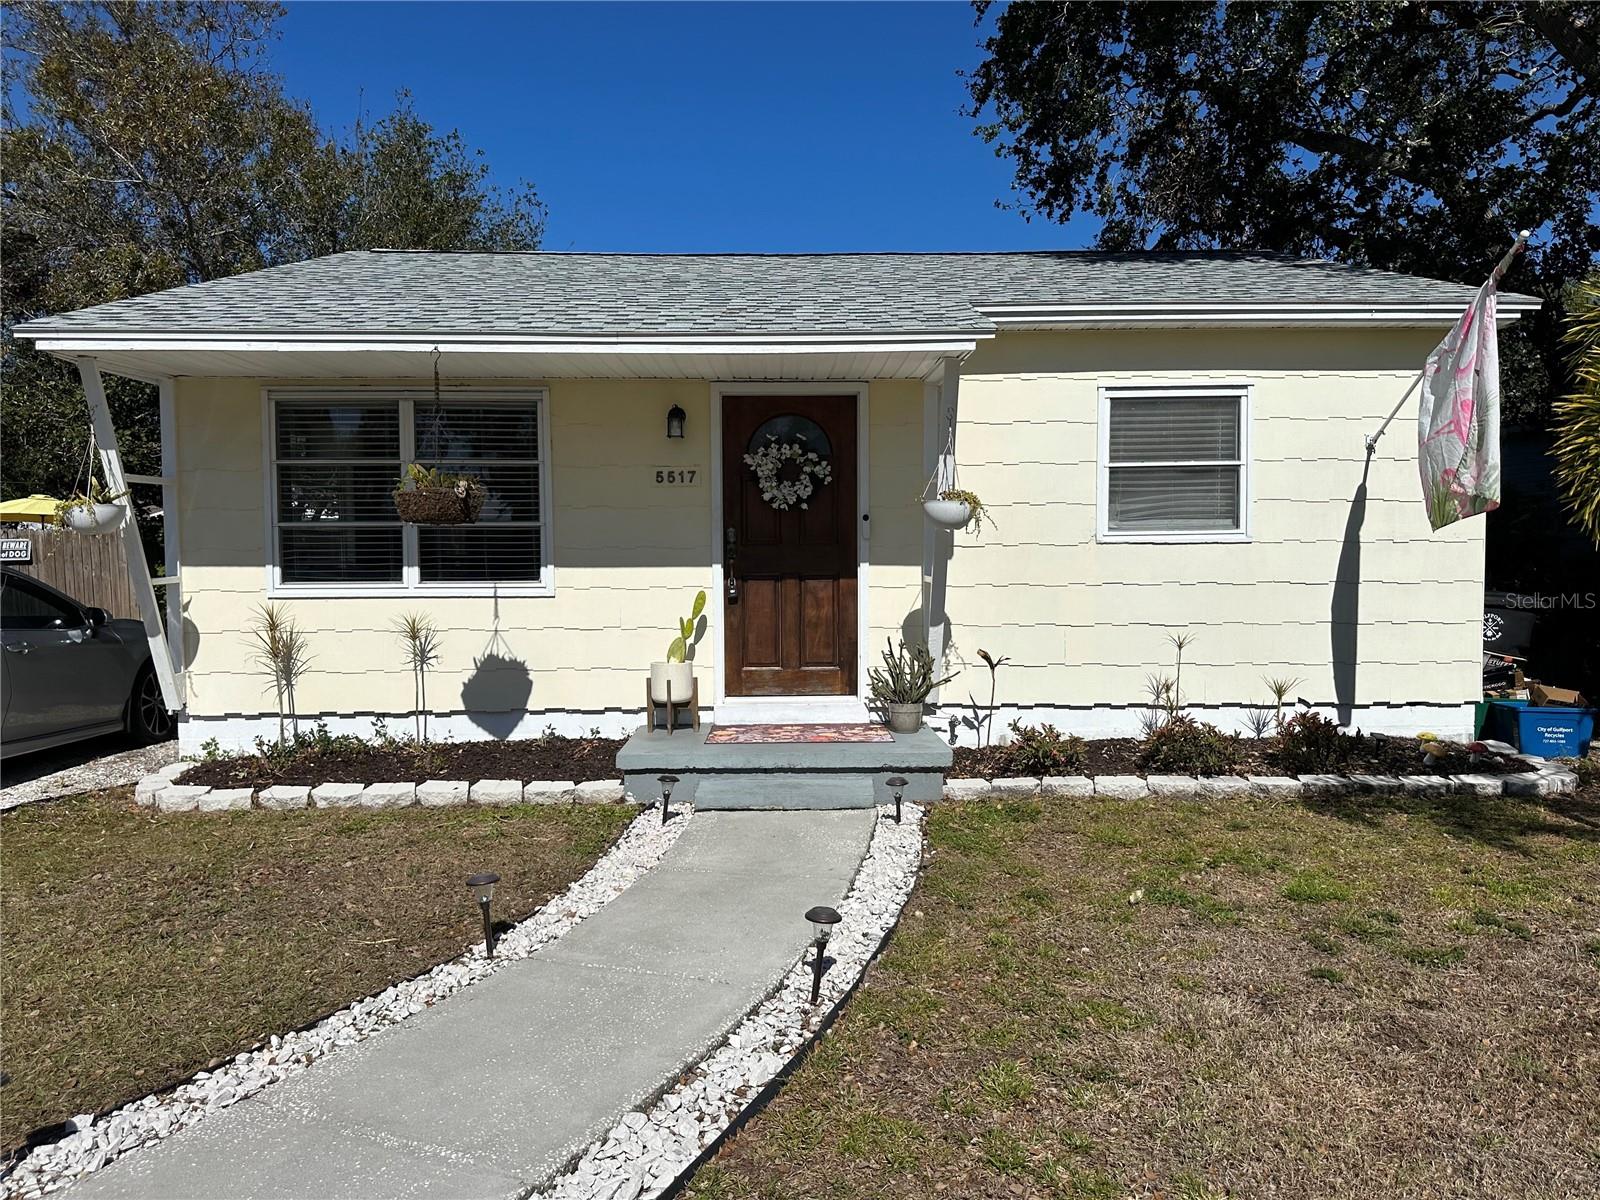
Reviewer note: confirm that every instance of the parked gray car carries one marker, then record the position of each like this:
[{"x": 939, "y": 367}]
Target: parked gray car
[{"x": 69, "y": 672}]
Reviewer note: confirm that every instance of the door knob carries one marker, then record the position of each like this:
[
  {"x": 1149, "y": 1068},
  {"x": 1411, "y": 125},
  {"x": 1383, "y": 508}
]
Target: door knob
[{"x": 730, "y": 541}]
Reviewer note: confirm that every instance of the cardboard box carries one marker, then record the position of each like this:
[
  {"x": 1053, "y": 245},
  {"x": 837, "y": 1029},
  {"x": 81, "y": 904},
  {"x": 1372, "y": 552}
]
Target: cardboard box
[{"x": 1545, "y": 697}]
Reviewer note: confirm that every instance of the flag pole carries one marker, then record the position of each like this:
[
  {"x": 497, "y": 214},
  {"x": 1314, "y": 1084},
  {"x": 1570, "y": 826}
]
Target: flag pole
[{"x": 1500, "y": 269}]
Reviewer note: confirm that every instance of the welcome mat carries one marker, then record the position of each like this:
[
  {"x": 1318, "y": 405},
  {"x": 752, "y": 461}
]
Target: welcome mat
[{"x": 769, "y": 734}]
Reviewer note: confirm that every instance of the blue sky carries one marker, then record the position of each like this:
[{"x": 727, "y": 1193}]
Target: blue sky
[{"x": 692, "y": 127}]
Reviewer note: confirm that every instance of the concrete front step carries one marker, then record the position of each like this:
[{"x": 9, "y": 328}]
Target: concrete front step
[
  {"x": 803, "y": 775},
  {"x": 784, "y": 790}
]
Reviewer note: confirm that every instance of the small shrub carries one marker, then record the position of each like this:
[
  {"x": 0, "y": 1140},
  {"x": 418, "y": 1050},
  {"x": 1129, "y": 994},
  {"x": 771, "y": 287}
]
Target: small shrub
[
  {"x": 1042, "y": 750},
  {"x": 1310, "y": 744},
  {"x": 1184, "y": 746}
]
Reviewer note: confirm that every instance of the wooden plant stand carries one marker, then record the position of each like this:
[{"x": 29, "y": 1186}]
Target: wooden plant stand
[{"x": 673, "y": 706}]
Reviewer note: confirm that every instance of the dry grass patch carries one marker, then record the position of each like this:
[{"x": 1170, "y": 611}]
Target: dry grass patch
[
  {"x": 1381, "y": 996},
  {"x": 140, "y": 948}
]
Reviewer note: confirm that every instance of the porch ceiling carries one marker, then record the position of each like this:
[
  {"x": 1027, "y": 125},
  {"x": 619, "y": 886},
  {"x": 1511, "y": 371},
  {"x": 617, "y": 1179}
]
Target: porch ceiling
[{"x": 758, "y": 363}]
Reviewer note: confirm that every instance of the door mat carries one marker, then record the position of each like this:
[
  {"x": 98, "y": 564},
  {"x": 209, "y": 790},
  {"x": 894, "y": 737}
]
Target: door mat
[{"x": 768, "y": 734}]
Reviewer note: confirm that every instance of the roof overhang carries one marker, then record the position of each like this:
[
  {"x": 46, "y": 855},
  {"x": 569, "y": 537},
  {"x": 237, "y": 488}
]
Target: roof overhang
[
  {"x": 407, "y": 355},
  {"x": 1238, "y": 316}
]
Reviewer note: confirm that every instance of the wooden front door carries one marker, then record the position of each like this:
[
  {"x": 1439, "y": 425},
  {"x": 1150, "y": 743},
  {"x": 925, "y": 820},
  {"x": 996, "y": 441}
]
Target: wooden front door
[{"x": 789, "y": 573}]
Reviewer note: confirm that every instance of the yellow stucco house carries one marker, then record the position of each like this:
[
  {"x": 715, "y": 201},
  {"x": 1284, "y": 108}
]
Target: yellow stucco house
[{"x": 1166, "y": 443}]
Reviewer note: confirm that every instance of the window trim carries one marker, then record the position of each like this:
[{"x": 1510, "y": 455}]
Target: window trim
[
  {"x": 1233, "y": 390},
  {"x": 410, "y": 587}
]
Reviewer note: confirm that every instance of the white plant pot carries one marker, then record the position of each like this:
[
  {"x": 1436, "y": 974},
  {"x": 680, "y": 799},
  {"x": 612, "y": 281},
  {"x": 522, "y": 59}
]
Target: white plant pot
[
  {"x": 95, "y": 518},
  {"x": 679, "y": 674},
  {"x": 948, "y": 514}
]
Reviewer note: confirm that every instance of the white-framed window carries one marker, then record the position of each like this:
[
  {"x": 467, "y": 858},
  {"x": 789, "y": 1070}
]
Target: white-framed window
[
  {"x": 1174, "y": 463},
  {"x": 335, "y": 456}
]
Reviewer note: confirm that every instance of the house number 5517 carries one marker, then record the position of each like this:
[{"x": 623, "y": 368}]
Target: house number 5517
[{"x": 677, "y": 476}]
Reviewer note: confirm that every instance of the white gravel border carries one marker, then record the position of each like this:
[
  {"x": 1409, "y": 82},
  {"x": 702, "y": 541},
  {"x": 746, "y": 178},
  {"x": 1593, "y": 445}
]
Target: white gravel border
[
  {"x": 155, "y": 1117},
  {"x": 113, "y": 769},
  {"x": 646, "y": 1152}
]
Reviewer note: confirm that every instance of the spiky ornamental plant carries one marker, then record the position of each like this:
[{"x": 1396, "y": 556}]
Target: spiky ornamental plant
[
  {"x": 679, "y": 650},
  {"x": 421, "y": 638},
  {"x": 1577, "y": 416},
  {"x": 281, "y": 651},
  {"x": 907, "y": 675}
]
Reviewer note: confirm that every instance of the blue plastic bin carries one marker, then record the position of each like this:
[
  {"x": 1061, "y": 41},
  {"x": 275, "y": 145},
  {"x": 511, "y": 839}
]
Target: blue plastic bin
[{"x": 1550, "y": 731}]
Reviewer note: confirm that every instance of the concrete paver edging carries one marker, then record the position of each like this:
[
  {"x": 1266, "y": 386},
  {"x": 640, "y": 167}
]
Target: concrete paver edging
[
  {"x": 160, "y": 792},
  {"x": 1547, "y": 779},
  {"x": 99, "y": 1140}
]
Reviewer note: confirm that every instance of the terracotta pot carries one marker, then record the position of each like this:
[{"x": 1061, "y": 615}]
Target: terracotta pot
[
  {"x": 905, "y": 718},
  {"x": 948, "y": 514},
  {"x": 679, "y": 674},
  {"x": 95, "y": 518}
]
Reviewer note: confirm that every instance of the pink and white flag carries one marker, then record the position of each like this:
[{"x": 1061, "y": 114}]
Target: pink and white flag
[{"x": 1458, "y": 422}]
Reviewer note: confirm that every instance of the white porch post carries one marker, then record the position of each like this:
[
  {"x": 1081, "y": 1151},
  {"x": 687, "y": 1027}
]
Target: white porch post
[
  {"x": 138, "y": 569},
  {"x": 940, "y": 399}
]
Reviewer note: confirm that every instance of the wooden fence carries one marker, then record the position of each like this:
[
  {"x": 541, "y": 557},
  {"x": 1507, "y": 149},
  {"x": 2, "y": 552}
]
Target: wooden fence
[{"x": 92, "y": 568}]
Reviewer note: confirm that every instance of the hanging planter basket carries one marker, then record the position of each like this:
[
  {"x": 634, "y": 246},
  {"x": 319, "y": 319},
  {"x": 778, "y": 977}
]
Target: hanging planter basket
[
  {"x": 429, "y": 496},
  {"x": 94, "y": 517},
  {"x": 948, "y": 514},
  {"x": 457, "y": 504},
  {"x": 944, "y": 501}
]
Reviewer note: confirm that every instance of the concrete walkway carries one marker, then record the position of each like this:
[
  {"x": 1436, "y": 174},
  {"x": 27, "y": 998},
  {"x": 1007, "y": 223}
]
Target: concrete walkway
[{"x": 492, "y": 1091}]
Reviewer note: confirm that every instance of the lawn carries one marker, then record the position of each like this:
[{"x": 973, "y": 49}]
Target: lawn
[
  {"x": 140, "y": 948},
  {"x": 1381, "y": 996}
]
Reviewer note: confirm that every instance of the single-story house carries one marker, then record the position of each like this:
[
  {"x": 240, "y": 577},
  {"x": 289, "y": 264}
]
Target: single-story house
[{"x": 1165, "y": 443}]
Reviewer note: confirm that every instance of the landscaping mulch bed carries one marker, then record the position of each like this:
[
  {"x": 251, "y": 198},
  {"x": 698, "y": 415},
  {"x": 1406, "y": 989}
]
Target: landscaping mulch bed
[
  {"x": 1371, "y": 754},
  {"x": 140, "y": 948},
  {"x": 349, "y": 760},
  {"x": 1233, "y": 997}
]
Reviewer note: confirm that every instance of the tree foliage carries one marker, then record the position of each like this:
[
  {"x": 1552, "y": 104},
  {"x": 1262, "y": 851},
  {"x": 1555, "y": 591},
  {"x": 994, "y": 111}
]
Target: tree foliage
[
  {"x": 1577, "y": 415},
  {"x": 146, "y": 146},
  {"x": 1414, "y": 137}
]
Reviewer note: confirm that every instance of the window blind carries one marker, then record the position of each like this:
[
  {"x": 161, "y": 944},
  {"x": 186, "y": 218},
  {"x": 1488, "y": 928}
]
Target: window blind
[
  {"x": 499, "y": 445},
  {"x": 1174, "y": 464},
  {"x": 336, "y": 467}
]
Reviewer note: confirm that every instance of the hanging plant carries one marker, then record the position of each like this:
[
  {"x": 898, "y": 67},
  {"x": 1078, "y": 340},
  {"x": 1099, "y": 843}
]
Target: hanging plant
[
  {"x": 95, "y": 510},
  {"x": 787, "y": 472},
  {"x": 429, "y": 496},
  {"x": 944, "y": 501}
]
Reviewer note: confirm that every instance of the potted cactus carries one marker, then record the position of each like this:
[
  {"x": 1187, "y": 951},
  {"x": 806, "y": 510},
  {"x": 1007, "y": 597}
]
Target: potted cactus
[
  {"x": 902, "y": 684},
  {"x": 677, "y": 671}
]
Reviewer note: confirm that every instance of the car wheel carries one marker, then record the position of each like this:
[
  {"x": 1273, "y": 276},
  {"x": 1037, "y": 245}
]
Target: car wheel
[{"x": 148, "y": 718}]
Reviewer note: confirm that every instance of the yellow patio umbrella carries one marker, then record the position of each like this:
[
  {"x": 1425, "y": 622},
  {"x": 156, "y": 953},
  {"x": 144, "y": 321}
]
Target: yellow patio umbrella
[{"x": 36, "y": 508}]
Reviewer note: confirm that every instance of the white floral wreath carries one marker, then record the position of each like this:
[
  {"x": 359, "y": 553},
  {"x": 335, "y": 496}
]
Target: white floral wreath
[{"x": 771, "y": 459}]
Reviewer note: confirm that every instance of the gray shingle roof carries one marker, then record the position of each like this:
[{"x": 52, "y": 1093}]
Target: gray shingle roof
[{"x": 687, "y": 294}]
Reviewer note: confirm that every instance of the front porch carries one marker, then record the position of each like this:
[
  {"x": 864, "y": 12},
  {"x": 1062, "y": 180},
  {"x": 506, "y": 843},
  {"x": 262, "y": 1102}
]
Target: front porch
[{"x": 832, "y": 774}]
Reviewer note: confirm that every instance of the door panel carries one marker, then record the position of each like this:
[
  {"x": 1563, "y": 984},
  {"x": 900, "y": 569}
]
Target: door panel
[{"x": 791, "y": 610}]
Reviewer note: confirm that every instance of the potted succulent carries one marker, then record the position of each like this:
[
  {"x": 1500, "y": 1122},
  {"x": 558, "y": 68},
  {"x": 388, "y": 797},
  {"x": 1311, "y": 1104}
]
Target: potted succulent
[
  {"x": 955, "y": 508},
  {"x": 676, "y": 671},
  {"x": 902, "y": 684},
  {"x": 429, "y": 496},
  {"x": 97, "y": 511}
]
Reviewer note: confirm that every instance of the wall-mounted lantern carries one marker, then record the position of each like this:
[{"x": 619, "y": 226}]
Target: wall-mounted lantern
[{"x": 675, "y": 419}]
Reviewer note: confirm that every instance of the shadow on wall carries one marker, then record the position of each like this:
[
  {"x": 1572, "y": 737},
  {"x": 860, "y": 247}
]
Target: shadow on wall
[
  {"x": 495, "y": 696},
  {"x": 1344, "y": 615}
]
